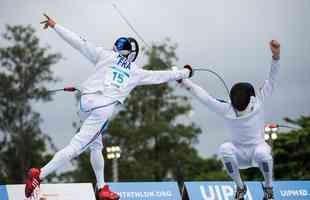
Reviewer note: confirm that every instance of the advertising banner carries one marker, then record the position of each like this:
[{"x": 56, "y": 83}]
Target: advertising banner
[
  {"x": 284, "y": 190},
  {"x": 73, "y": 191},
  {"x": 146, "y": 190}
]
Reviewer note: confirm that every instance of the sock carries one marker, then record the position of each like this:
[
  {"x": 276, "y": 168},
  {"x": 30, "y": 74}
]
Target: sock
[
  {"x": 97, "y": 162},
  {"x": 232, "y": 168},
  {"x": 60, "y": 158},
  {"x": 266, "y": 168}
]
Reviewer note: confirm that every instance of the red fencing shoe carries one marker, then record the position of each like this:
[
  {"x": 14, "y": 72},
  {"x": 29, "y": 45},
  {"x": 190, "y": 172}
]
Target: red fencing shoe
[
  {"x": 32, "y": 181},
  {"x": 106, "y": 194}
]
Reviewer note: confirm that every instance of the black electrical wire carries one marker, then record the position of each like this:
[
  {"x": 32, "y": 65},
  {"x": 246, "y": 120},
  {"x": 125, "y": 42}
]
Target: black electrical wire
[{"x": 214, "y": 73}]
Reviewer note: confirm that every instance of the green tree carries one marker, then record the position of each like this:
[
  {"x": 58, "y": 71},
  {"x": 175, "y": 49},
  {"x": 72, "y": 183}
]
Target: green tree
[
  {"x": 292, "y": 151},
  {"x": 25, "y": 69}
]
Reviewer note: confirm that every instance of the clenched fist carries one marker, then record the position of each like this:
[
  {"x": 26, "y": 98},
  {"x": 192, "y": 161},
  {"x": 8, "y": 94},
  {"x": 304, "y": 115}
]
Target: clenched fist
[
  {"x": 49, "y": 22},
  {"x": 275, "y": 49}
]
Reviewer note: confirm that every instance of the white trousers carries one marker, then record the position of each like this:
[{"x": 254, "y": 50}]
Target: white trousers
[
  {"x": 237, "y": 157},
  {"x": 94, "y": 120},
  {"x": 95, "y": 123},
  {"x": 246, "y": 156}
]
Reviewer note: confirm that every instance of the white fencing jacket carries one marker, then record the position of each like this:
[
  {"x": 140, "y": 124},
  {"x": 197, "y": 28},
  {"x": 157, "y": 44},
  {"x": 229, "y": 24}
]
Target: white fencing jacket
[
  {"x": 114, "y": 75},
  {"x": 247, "y": 129}
]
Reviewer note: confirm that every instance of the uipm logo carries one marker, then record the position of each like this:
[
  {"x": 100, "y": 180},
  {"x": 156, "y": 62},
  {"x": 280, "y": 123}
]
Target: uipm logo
[{"x": 220, "y": 192}]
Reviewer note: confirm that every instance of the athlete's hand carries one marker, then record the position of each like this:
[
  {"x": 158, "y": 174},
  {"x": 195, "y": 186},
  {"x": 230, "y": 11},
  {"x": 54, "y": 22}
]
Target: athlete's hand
[
  {"x": 275, "y": 49},
  {"x": 175, "y": 68},
  {"x": 49, "y": 22},
  {"x": 188, "y": 67}
]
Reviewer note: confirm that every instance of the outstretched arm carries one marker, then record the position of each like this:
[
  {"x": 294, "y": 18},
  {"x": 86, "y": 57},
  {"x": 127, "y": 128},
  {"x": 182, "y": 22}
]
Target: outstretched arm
[
  {"x": 150, "y": 77},
  {"x": 215, "y": 105},
  {"x": 90, "y": 51},
  {"x": 268, "y": 87}
]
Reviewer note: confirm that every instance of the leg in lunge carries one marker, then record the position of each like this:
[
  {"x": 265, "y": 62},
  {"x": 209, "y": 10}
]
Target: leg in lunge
[
  {"x": 97, "y": 162},
  {"x": 60, "y": 158},
  {"x": 89, "y": 136},
  {"x": 35, "y": 175}
]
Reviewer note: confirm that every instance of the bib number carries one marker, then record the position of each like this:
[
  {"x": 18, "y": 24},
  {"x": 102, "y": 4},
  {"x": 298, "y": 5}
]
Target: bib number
[{"x": 119, "y": 78}]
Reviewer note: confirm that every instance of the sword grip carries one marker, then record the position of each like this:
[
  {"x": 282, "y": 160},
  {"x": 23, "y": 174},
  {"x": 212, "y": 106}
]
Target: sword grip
[{"x": 70, "y": 89}]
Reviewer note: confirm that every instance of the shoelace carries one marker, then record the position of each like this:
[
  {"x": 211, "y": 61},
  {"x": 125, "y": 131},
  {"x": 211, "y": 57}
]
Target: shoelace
[{"x": 35, "y": 183}]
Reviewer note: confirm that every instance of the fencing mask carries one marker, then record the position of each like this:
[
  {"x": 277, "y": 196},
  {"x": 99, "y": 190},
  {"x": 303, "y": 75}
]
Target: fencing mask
[
  {"x": 127, "y": 47},
  {"x": 240, "y": 95}
]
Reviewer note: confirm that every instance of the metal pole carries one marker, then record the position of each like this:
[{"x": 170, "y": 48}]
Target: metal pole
[{"x": 115, "y": 170}]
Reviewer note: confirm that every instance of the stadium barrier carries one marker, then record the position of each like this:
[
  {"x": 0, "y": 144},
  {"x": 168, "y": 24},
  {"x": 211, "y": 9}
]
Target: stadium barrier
[
  {"x": 283, "y": 190},
  {"x": 73, "y": 191},
  {"x": 126, "y": 190}
]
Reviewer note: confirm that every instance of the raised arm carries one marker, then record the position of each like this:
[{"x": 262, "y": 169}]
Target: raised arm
[
  {"x": 215, "y": 105},
  {"x": 90, "y": 51},
  {"x": 269, "y": 84},
  {"x": 150, "y": 77}
]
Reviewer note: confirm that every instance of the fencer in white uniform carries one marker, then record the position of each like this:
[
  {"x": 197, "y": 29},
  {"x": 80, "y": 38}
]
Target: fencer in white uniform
[
  {"x": 244, "y": 117},
  {"x": 115, "y": 76},
  {"x": 109, "y": 85}
]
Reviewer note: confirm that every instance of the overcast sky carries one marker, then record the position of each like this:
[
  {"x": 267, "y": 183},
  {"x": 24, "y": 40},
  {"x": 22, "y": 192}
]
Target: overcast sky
[{"x": 231, "y": 37}]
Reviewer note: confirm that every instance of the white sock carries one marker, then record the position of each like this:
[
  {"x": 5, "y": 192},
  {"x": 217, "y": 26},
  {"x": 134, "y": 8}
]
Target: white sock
[
  {"x": 232, "y": 168},
  {"x": 266, "y": 167},
  {"x": 97, "y": 162},
  {"x": 60, "y": 158}
]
